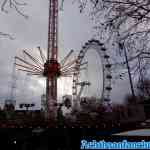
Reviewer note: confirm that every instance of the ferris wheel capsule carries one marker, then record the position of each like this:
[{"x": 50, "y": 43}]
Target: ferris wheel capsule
[
  {"x": 106, "y": 56},
  {"x": 103, "y": 49}
]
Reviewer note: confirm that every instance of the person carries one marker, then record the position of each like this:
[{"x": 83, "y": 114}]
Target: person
[{"x": 60, "y": 117}]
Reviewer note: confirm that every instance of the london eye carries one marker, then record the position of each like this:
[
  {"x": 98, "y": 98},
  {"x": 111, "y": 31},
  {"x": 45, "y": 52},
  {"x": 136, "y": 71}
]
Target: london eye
[{"x": 92, "y": 77}]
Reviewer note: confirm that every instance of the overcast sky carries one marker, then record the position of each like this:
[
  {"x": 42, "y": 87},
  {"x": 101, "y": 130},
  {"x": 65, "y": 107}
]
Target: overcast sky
[{"x": 74, "y": 30}]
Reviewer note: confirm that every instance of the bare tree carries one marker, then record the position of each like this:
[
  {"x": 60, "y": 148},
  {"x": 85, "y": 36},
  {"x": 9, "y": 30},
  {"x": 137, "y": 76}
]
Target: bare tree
[
  {"x": 12, "y": 4},
  {"x": 122, "y": 16},
  {"x": 6, "y": 35},
  {"x": 143, "y": 88},
  {"x": 123, "y": 22}
]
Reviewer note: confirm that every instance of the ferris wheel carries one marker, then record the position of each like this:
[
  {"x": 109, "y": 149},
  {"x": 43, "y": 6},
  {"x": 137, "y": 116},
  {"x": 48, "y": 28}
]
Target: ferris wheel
[{"x": 81, "y": 83}]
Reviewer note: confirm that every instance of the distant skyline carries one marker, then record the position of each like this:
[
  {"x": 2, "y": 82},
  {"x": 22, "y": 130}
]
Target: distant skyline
[{"x": 74, "y": 30}]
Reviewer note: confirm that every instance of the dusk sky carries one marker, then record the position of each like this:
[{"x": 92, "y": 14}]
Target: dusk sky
[{"x": 74, "y": 30}]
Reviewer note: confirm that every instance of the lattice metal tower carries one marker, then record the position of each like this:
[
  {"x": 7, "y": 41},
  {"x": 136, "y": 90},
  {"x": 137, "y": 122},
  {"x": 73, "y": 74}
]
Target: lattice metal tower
[{"x": 52, "y": 67}]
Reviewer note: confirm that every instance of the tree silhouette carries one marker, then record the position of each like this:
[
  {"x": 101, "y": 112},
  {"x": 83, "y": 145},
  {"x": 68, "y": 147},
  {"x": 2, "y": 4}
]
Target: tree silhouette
[
  {"x": 143, "y": 88},
  {"x": 12, "y": 4},
  {"x": 122, "y": 21}
]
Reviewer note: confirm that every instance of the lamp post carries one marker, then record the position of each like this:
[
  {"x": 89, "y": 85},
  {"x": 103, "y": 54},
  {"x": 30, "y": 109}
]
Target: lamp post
[{"x": 128, "y": 67}]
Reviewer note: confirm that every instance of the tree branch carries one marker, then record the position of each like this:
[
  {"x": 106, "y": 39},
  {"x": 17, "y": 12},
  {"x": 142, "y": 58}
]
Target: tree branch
[
  {"x": 14, "y": 5},
  {"x": 6, "y": 35}
]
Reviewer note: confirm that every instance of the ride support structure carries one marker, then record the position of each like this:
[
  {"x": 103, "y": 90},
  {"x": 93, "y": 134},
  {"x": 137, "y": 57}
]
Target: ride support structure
[{"x": 52, "y": 67}]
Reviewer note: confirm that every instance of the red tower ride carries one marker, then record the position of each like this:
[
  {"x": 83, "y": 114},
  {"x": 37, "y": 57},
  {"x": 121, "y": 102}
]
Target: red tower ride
[
  {"x": 49, "y": 67},
  {"x": 52, "y": 67}
]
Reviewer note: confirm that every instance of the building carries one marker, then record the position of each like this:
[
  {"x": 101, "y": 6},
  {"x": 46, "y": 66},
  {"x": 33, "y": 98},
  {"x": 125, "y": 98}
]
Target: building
[{"x": 9, "y": 105}]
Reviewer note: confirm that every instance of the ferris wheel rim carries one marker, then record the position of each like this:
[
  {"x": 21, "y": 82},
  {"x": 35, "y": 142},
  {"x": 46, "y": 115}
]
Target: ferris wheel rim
[{"x": 106, "y": 68}]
